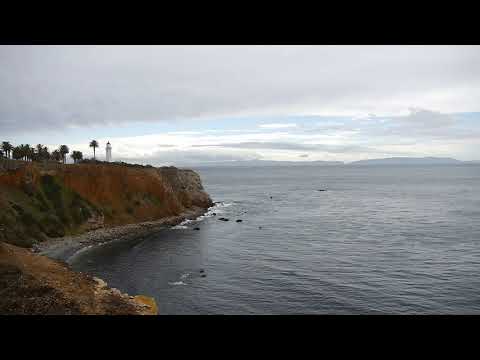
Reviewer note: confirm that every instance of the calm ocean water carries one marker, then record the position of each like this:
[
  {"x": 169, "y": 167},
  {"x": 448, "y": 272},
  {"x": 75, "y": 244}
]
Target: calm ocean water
[{"x": 380, "y": 239}]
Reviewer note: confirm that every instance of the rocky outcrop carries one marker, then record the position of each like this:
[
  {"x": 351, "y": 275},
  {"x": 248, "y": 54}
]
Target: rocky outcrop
[
  {"x": 36, "y": 285},
  {"x": 41, "y": 201}
]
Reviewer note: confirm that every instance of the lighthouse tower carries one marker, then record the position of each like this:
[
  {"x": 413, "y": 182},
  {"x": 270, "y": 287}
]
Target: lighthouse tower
[{"x": 109, "y": 152}]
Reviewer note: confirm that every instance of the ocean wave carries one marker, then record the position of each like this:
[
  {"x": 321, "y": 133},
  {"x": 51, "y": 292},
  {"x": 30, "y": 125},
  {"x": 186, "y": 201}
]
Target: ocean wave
[
  {"x": 180, "y": 227},
  {"x": 177, "y": 283},
  {"x": 215, "y": 209},
  {"x": 78, "y": 252}
]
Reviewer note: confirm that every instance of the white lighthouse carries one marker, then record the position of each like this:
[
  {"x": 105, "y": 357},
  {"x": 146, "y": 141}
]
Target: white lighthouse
[{"x": 109, "y": 152}]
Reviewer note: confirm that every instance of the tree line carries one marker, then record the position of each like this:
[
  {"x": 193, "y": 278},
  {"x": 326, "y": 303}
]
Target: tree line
[{"x": 41, "y": 153}]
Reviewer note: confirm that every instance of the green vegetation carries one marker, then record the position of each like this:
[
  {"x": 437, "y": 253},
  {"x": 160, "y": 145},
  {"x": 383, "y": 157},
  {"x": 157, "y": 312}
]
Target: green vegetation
[
  {"x": 7, "y": 149},
  {"x": 41, "y": 153},
  {"x": 76, "y": 156},
  {"x": 23, "y": 152},
  {"x": 38, "y": 153},
  {"x": 52, "y": 210},
  {"x": 56, "y": 156}
]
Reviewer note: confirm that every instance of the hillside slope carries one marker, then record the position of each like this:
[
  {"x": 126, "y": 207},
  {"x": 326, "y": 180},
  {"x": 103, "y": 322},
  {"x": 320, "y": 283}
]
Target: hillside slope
[{"x": 35, "y": 285}]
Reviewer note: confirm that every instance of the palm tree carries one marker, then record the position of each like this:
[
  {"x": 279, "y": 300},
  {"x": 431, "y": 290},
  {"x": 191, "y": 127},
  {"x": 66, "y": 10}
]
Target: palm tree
[
  {"x": 26, "y": 152},
  {"x": 93, "y": 144},
  {"x": 22, "y": 152},
  {"x": 30, "y": 153},
  {"x": 7, "y": 149},
  {"x": 45, "y": 155},
  {"x": 17, "y": 153},
  {"x": 56, "y": 156},
  {"x": 64, "y": 150},
  {"x": 1, "y": 153},
  {"x": 76, "y": 156},
  {"x": 41, "y": 153}
]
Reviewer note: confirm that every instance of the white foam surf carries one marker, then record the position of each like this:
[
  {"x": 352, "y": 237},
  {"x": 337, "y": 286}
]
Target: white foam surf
[
  {"x": 177, "y": 283},
  {"x": 211, "y": 211}
]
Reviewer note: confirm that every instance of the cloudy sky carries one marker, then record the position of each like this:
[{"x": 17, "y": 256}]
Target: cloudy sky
[{"x": 197, "y": 104}]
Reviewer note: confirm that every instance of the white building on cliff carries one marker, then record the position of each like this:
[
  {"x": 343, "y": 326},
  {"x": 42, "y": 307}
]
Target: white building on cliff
[{"x": 109, "y": 152}]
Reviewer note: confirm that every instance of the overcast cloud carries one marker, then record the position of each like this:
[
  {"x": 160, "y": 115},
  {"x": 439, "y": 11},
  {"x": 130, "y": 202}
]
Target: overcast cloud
[{"x": 365, "y": 100}]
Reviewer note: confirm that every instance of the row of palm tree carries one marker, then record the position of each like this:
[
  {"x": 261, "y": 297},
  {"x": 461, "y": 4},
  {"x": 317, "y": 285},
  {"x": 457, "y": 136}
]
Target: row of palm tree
[
  {"x": 41, "y": 153},
  {"x": 28, "y": 153}
]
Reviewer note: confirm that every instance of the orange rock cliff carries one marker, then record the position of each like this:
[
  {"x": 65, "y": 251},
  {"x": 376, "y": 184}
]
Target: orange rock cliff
[{"x": 39, "y": 201}]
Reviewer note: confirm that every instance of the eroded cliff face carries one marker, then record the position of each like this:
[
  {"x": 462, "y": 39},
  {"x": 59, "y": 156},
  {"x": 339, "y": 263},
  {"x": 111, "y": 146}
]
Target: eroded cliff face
[
  {"x": 130, "y": 194},
  {"x": 41, "y": 201}
]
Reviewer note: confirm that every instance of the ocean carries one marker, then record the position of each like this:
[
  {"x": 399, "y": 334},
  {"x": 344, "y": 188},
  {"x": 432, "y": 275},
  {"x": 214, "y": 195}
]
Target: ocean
[{"x": 378, "y": 240}]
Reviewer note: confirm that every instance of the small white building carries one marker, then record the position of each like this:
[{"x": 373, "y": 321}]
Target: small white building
[{"x": 109, "y": 152}]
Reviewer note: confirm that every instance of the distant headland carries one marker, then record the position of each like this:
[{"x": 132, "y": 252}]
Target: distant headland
[{"x": 382, "y": 161}]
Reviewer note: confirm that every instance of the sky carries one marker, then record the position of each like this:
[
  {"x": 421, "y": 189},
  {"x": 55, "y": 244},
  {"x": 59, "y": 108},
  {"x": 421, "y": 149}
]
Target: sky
[{"x": 189, "y": 105}]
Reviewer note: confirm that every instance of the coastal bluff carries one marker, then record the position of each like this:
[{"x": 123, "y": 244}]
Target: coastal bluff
[{"x": 43, "y": 202}]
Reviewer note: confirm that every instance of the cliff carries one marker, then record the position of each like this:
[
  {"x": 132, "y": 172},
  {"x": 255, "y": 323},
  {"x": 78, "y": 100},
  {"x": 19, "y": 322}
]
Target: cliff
[{"x": 40, "y": 201}]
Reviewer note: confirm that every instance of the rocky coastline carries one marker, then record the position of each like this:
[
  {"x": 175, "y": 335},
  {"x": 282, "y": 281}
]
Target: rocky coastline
[
  {"x": 63, "y": 248},
  {"x": 49, "y": 214}
]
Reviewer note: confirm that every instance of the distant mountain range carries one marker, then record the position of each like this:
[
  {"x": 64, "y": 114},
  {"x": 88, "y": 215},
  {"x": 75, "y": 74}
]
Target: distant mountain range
[
  {"x": 385, "y": 161},
  {"x": 409, "y": 161}
]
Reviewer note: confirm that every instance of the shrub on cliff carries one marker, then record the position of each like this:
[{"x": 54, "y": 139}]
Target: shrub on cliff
[
  {"x": 51, "y": 210},
  {"x": 76, "y": 156}
]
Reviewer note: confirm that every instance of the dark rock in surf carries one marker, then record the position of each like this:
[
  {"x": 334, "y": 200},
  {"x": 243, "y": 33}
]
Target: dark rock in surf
[
  {"x": 223, "y": 219},
  {"x": 239, "y": 221},
  {"x": 196, "y": 228}
]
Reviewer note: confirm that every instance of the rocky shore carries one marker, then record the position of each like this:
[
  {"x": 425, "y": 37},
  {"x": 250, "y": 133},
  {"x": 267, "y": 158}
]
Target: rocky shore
[
  {"x": 40, "y": 281},
  {"x": 63, "y": 248}
]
